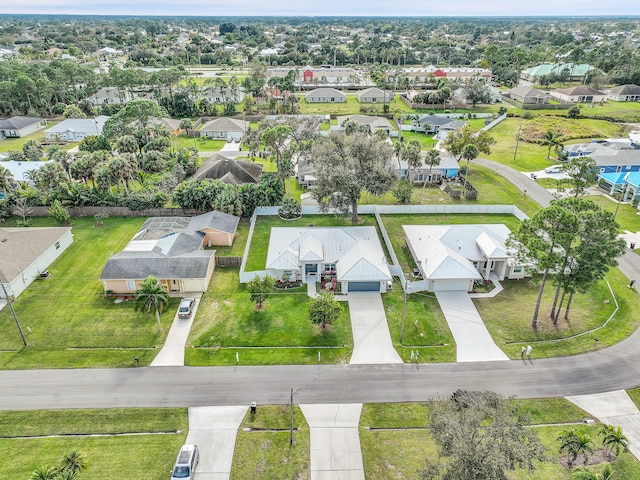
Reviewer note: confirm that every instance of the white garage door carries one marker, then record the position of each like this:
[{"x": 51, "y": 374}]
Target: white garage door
[{"x": 450, "y": 285}]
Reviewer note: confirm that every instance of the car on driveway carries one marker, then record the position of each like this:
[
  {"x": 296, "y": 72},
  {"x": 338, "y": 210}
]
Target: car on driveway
[
  {"x": 553, "y": 169},
  {"x": 186, "y": 307}
]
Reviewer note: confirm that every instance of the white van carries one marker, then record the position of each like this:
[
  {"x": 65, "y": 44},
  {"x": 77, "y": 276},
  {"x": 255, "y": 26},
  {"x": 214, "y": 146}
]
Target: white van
[
  {"x": 553, "y": 169},
  {"x": 186, "y": 463}
]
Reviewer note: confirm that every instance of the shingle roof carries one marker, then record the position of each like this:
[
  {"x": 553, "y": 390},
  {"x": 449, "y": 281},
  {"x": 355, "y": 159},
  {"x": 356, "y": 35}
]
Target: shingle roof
[
  {"x": 17, "y": 123},
  {"x": 225, "y": 124},
  {"x": 629, "y": 89},
  {"x": 527, "y": 92},
  {"x": 579, "y": 90},
  {"x": 325, "y": 92},
  {"x": 374, "y": 92},
  {"x": 140, "y": 265},
  {"x": 228, "y": 170},
  {"x": 216, "y": 220}
]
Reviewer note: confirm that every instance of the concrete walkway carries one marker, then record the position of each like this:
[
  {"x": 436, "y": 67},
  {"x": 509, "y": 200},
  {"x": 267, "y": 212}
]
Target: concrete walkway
[
  {"x": 617, "y": 409},
  {"x": 474, "y": 344},
  {"x": 371, "y": 337},
  {"x": 214, "y": 431},
  {"x": 335, "y": 441},
  {"x": 172, "y": 353}
]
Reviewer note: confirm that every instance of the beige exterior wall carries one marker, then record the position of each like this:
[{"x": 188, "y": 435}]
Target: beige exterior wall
[{"x": 217, "y": 238}]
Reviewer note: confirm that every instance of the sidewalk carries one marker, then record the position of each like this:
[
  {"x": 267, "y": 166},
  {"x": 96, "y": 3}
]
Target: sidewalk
[
  {"x": 473, "y": 342},
  {"x": 335, "y": 441},
  {"x": 172, "y": 353}
]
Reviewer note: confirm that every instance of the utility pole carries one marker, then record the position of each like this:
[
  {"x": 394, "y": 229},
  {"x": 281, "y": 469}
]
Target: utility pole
[
  {"x": 515, "y": 152},
  {"x": 291, "y": 418},
  {"x": 13, "y": 312},
  {"x": 408, "y": 288}
]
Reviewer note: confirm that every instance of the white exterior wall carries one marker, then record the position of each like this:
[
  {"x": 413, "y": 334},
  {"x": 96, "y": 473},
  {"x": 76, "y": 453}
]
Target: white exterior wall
[
  {"x": 21, "y": 282},
  {"x": 326, "y": 100}
]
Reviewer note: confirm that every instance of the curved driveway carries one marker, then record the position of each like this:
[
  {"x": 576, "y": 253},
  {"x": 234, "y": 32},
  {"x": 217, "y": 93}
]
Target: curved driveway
[{"x": 613, "y": 368}]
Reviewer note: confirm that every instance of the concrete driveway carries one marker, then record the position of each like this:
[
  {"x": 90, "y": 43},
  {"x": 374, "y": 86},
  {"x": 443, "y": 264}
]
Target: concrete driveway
[
  {"x": 474, "y": 344},
  {"x": 335, "y": 441},
  {"x": 214, "y": 431},
  {"x": 371, "y": 338},
  {"x": 172, "y": 353}
]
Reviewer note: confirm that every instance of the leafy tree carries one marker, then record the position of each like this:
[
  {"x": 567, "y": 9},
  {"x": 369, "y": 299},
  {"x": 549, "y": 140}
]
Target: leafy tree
[
  {"x": 152, "y": 296},
  {"x": 290, "y": 208},
  {"x": 277, "y": 139},
  {"x": 347, "y": 165},
  {"x": 73, "y": 111},
  {"x": 410, "y": 153},
  {"x": 469, "y": 152},
  {"x": 259, "y": 287},
  {"x": 477, "y": 92},
  {"x": 480, "y": 435},
  {"x": 432, "y": 159},
  {"x": 32, "y": 151},
  {"x": 582, "y": 172},
  {"x": 59, "y": 213},
  {"x": 573, "y": 112},
  {"x": 575, "y": 443},
  {"x": 6, "y": 180},
  {"x": 613, "y": 439},
  {"x": 135, "y": 110},
  {"x": 324, "y": 309},
  {"x": 402, "y": 191},
  {"x": 456, "y": 141},
  {"x": 94, "y": 143}
]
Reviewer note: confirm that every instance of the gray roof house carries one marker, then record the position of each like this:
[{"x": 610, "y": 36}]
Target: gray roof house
[
  {"x": 109, "y": 96},
  {"x": 374, "y": 95},
  {"x": 170, "y": 249},
  {"x": 325, "y": 95},
  {"x": 625, "y": 93},
  {"x": 611, "y": 156},
  {"x": 224, "y": 127},
  {"x": 374, "y": 123},
  {"x": 221, "y": 95},
  {"x": 579, "y": 94},
  {"x": 351, "y": 255},
  {"x": 435, "y": 123},
  {"x": 231, "y": 171},
  {"x": 453, "y": 257},
  {"x": 16, "y": 127},
  {"x": 528, "y": 95},
  {"x": 75, "y": 129}
]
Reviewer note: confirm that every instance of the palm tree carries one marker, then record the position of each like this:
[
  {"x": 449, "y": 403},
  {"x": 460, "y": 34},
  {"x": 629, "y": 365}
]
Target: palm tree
[
  {"x": 583, "y": 473},
  {"x": 74, "y": 461},
  {"x": 551, "y": 140},
  {"x": 575, "y": 443},
  {"x": 152, "y": 295},
  {"x": 6, "y": 179},
  {"x": 410, "y": 153},
  {"x": 44, "y": 473},
  {"x": 432, "y": 159},
  {"x": 614, "y": 439},
  {"x": 469, "y": 152}
]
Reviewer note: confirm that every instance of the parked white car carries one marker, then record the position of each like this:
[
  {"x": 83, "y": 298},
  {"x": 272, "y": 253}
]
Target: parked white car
[{"x": 553, "y": 169}]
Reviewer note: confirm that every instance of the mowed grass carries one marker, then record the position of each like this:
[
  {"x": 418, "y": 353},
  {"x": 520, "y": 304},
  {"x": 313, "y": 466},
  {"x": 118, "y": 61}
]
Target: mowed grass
[
  {"x": 66, "y": 318},
  {"x": 281, "y": 333},
  {"x": 627, "y": 216},
  {"x": 203, "y": 144},
  {"x": 237, "y": 249},
  {"x": 159, "y": 435},
  {"x": 508, "y": 317},
  {"x": 263, "y": 449}
]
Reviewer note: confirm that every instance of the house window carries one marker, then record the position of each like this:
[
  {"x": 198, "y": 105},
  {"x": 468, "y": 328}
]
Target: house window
[
  {"x": 57, "y": 245},
  {"x": 131, "y": 284},
  {"x": 331, "y": 267},
  {"x": 517, "y": 269}
]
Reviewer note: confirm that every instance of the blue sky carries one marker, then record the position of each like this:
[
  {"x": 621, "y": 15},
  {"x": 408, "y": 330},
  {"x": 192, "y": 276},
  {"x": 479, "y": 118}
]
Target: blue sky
[{"x": 326, "y": 7}]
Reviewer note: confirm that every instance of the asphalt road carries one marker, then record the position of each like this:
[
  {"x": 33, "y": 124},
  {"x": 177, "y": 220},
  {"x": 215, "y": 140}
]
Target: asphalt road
[{"x": 613, "y": 368}]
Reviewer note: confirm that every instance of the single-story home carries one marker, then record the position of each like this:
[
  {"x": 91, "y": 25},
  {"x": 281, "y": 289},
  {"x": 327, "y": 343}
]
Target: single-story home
[
  {"x": 351, "y": 255},
  {"x": 625, "y": 93},
  {"x": 627, "y": 184},
  {"x": 434, "y": 123},
  {"x": 374, "y": 123},
  {"x": 374, "y": 95},
  {"x": 18, "y": 170},
  {"x": 223, "y": 128},
  {"x": 16, "y": 127},
  {"x": 171, "y": 124},
  {"x": 611, "y": 156},
  {"x": 28, "y": 252},
  {"x": 579, "y": 94},
  {"x": 75, "y": 129},
  {"x": 325, "y": 95},
  {"x": 172, "y": 250},
  {"x": 109, "y": 96},
  {"x": 571, "y": 71},
  {"x": 222, "y": 94},
  {"x": 235, "y": 172},
  {"x": 453, "y": 257},
  {"x": 529, "y": 95},
  {"x": 448, "y": 168}
]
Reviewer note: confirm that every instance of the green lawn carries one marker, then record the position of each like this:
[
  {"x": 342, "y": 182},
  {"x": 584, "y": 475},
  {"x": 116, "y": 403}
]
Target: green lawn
[
  {"x": 350, "y": 107},
  {"x": 237, "y": 249},
  {"x": 508, "y": 317},
  {"x": 16, "y": 143},
  {"x": 627, "y": 216},
  {"x": 157, "y": 443},
  {"x": 71, "y": 323},
  {"x": 203, "y": 144},
  {"x": 265, "y": 337}
]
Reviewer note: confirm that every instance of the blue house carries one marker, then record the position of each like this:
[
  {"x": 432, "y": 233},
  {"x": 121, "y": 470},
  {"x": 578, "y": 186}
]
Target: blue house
[
  {"x": 448, "y": 168},
  {"x": 628, "y": 184},
  {"x": 611, "y": 156}
]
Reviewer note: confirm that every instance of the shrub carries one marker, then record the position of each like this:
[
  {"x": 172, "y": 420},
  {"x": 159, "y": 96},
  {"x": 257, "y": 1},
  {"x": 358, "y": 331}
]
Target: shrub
[{"x": 291, "y": 208}]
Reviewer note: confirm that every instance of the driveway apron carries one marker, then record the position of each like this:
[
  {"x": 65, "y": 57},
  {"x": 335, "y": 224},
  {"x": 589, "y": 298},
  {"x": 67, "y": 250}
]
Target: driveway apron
[
  {"x": 214, "y": 431},
  {"x": 335, "y": 441},
  {"x": 172, "y": 353},
  {"x": 474, "y": 344},
  {"x": 371, "y": 338}
]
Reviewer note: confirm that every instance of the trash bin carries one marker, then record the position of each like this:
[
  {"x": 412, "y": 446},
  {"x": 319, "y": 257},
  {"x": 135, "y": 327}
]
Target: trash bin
[{"x": 632, "y": 246}]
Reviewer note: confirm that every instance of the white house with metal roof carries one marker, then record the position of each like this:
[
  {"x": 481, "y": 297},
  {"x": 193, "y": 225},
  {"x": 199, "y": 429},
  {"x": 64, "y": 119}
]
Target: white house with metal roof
[
  {"x": 353, "y": 255},
  {"x": 453, "y": 257},
  {"x": 75, "y": 129}
]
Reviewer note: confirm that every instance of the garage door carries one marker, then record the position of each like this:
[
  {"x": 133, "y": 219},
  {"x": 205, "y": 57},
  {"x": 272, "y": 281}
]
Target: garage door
[
  {"x": 450, "y": 285},
  {"x": 364, "y": 286}
]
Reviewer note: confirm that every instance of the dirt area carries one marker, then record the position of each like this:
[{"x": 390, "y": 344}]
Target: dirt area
[{"x": 599, "y": 456}]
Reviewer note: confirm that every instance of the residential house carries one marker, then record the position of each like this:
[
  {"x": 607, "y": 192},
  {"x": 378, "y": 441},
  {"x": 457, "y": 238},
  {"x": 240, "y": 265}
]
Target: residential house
[
  {"x": 172, "y": 250},
  {"x": 16, "y": 127},
  {"x": 351, "y": 255},
  {"x": 573, "y": 72},
  {"x": 448, "y": 168},
  {"x": 627, "y": 185},
  {"x": 611, "y": 156},
  {"x": 579, "y": 94},
  {"x": 221, "y": 95},
  {"x": 328, "y": 75},
  {"x": 437, "y": 125},
  {"x": 325, "y": 95},
  {"x": 374, "y": 123},
  {"x": 224, "y": 127},
  {"x": 107, "y": 53},
  {"x": 19, "y": 170},
  {"x": 428, "y": 74},
  {"x": 235, "y": 172},
  {"x": 528, "y": 95},
  {"x": 26, "y": 253},
  {"x": 75, "y": 129},
  {"x": 109, "y": 96},
  {"x": 171, "y": 124},
  {"x": 625, "y": 93},
  {"x": 374, "y": 95},
  {"x": 453, "y": 257}
]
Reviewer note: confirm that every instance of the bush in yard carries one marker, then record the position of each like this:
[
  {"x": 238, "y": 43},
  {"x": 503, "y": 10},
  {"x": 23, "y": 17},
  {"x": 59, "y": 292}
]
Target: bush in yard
[
  {"x": 59, "y": 213},
  {"x": 324, "y": 309},
  {"x": 259, "y": 288},
  {"x": 402, "y": 191},
  {"x": 290, "y": 208}
]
